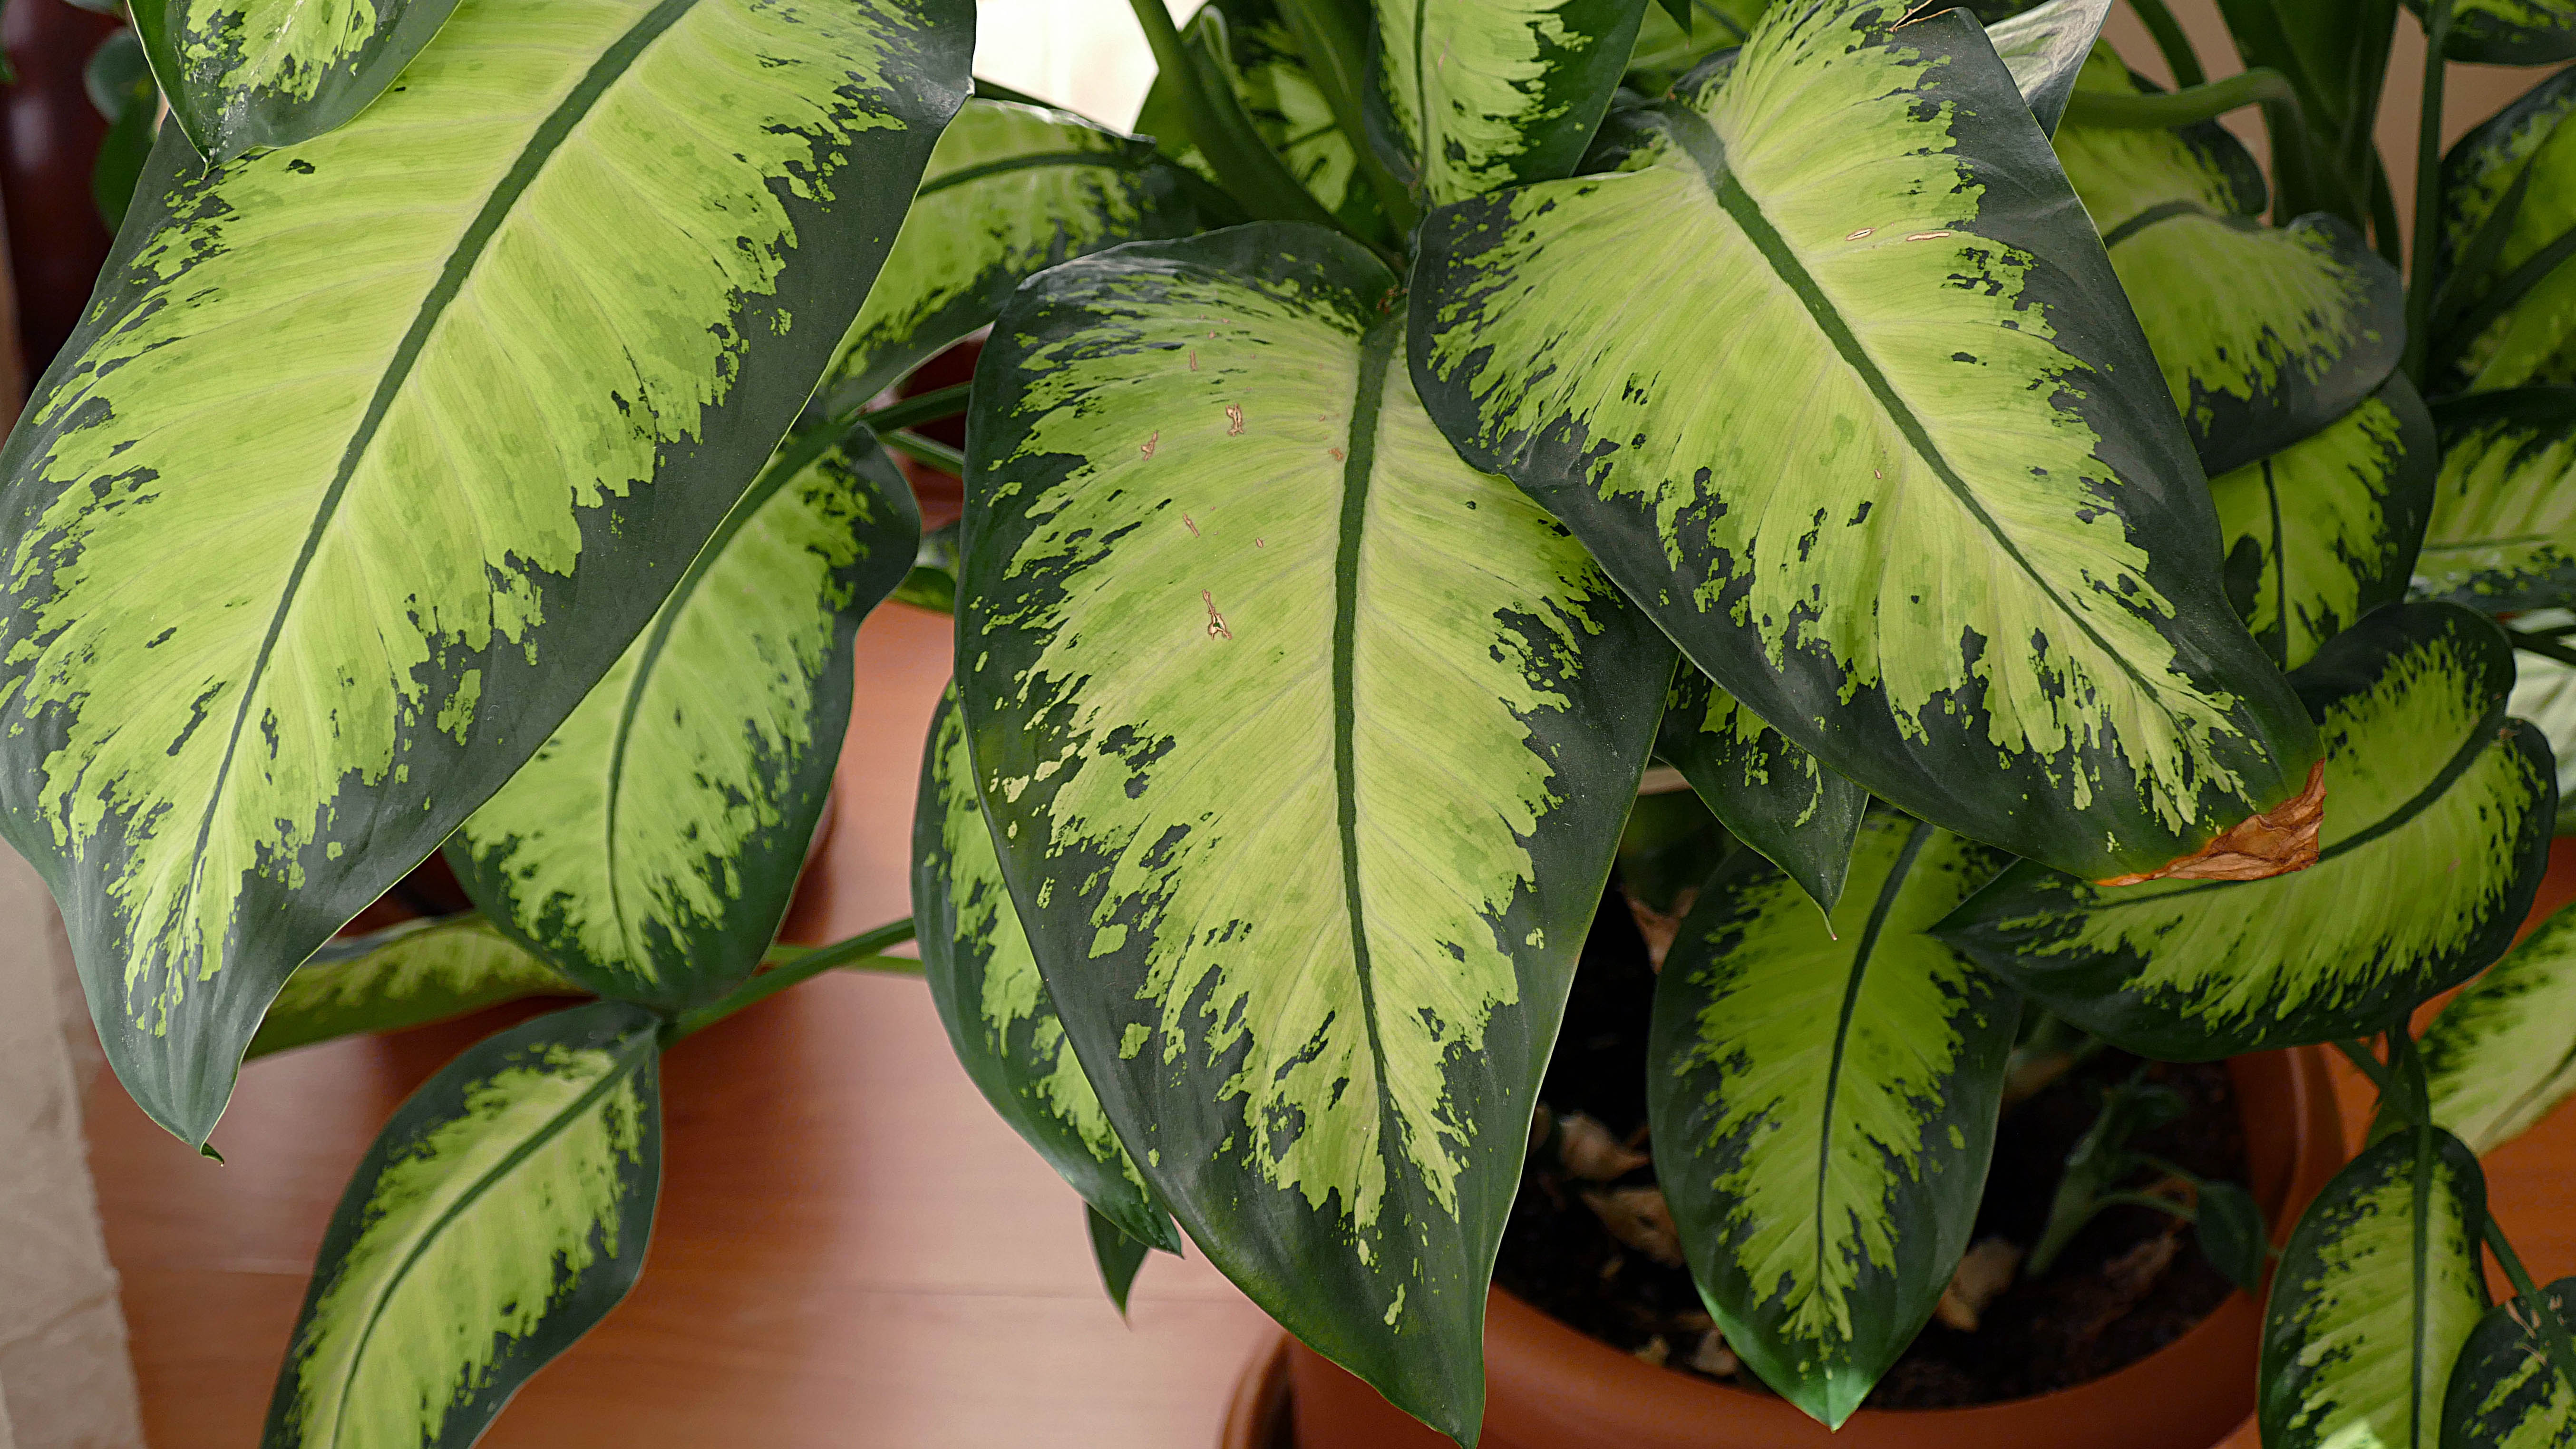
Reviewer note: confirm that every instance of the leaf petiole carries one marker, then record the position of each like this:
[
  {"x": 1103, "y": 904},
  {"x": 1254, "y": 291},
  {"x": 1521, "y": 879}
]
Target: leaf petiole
[
  {"x": 858, "y": 952},
  {"x": 2179, "y": 108}
]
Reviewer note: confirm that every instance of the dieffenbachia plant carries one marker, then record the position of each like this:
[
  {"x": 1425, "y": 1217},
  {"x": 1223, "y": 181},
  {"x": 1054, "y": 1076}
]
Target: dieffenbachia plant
[{"x": 2077, "y": 568}]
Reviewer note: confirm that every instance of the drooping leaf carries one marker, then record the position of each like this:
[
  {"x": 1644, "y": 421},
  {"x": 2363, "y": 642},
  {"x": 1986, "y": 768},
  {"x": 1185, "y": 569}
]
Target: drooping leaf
[
  {"x": 1287, "y": 106},
  {"x": 2432, "y": 850},
  {"x": 366, "y": 403},
  {"x": 2510, "y": 32},
  {"x": 1118, "y": 1255},
  {"x": 2504, "y": 1393},
  {"x": 2045, "y": 48},
  {"x": 1248, "y": 634},
  {"x": 498, "y": 1217},
  {"x": 2266, "y": 335},
  {"x": 1011, "y": 190},
  {"x": 2508, "y": 232},
  {"x": 1824, "y": 1097},
  {"x": 649, "y": 847},
  {"x": 1767, "y": 792},
  {"x": 247, "y": 73},
  {"x": 994, "y": 1002},
  {"x": 1474, "y": 95},
  {"x": 2375, "y": 1294},
  {"x": 2327, "y": 530},
  {"x": 2502, "y": 1055},
  {"x": 408, "y": 975},
  {"x": 2503, "y": 531},
  {"x": 1755, "y": 373}
]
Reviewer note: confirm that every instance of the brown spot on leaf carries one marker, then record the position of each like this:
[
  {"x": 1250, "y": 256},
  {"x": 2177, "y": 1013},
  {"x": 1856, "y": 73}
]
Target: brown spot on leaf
[
  {"x": 1234, "y": 420},
  {"x": 1150, "y": 443},
  {"x": 1338, "y": 454},
  {"x": 1194, "y": 359},
  {"x": 1863, "y": 232},
  {"x": 1927, "y": 236},
  {"x": 2276, "y": 842},
  {"x": 1216, "y": 621},
  {"x": 1190, "y": 524}
]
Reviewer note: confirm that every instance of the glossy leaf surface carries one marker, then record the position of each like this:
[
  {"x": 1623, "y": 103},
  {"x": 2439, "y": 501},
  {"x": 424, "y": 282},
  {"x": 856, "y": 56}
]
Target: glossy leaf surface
[
  {"x": 2504, "y": 1393},
  {"x": 1666, "y": 50},
  {"x": 648, "y": 849},
  {"x": 2544, "y": 694},
  {"x": 407, "y": 975},
  {"x": 2327, "y": 530},
  {"x": 2434, "y": 841},
  {"x": 247, "y": 73},
  {"x": 2374, "y": 1296},
  {"x": 2502, "y": 1055},
  {"x": 1286, "y": 105},
  {"x": 994, "y": 1002},
  {"x": 2045, "y": 47},
  {"x": 2508, "y": 231},
  {"x": 2503, "y": 531},
  {"x": 1247, "y": 636},
  {"x": 354, "y": 404},
  {"x": 1470, "y": 96},
  {"x": 1824, "y": 1098},
  {"x": 2510, "y": 32},
  {"x": 499, "y": 1215},
  {"x": 1118, "y": 1256},
  {"x": 2266, "y": 335},
  {"x": 1011, "y": 190},
  {"x": 1754, "y": 372},
  {"x": 1767, "y": 792}
]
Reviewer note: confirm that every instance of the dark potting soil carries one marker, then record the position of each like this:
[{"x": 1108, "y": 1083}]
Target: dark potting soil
[{"x": 2133, "y": 1281}]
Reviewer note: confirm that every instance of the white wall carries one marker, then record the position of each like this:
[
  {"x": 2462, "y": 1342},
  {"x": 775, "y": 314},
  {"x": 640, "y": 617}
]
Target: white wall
[{"x": 1085, "y": 55}]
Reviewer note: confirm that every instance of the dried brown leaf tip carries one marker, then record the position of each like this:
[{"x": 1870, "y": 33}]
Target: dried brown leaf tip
[
  {"x": 1639, "y": 1218},
  {"x": 1983, "y": 1274},
  {"x": 2276, "y": 842},
  {"x": 1589, "y": 1150}
]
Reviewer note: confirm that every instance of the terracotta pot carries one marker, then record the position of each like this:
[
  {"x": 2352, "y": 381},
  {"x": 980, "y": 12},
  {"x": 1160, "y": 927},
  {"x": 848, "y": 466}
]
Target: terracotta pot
[{"x": 1550, "y": 1387}]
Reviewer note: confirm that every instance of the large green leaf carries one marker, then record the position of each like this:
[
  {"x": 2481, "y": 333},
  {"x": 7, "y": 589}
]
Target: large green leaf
[
  {"x": 2510, "y": 32},
  {"x": 408, "y": 975},
  {"x": 1011, "y": 190},
  {"x": 2432, "y": 849},
  {"x": 1306, "y": 748},
  {"x": 1286, "y": 105},
  {"x": 2327, "y": 530},
  {"x": 359, "y": 409},
  {"x": 2374, "y": 1296},
  {"x": 2504, "y": 1393},
  {"x": 1868, "y": 431},
  {"x": 248, "y": 73},
  {"x": 649, "y": 847},
  {"x": 994, "y": 1002},
  {"x": 2508, "y": 232},
  {"x": 1474, "y": 95},
  {"x": 1824, "y": 1094},
  {"x": 2503, "y": 532},
  {"x": 2502, "y": 1055},
  {"x": 2266, "y": 335},
  {"x": 1767, "y": 792},
  {"x": 500, "y": 1214}
]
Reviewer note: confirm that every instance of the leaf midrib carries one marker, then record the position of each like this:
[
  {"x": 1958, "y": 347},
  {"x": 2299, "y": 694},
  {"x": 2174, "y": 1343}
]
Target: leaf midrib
[
  {"x": 612, "y": 65},
  {"x": 1031, "y": 161}
]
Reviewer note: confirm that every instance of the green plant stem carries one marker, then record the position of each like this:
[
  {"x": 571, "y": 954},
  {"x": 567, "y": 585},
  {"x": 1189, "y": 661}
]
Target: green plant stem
[
  {"x": 929, "y": 407},
  {"x": 1244, "y": 162},
  {"x": 2546, "y": 648},
  {"x": 2170, "y": 39},
  {"x": 2146, "y": 1200},
  {"x": 2388, "y": 237},
  {"x": 2359, "y": 1055},
  {"x": 925, "y": 450},
  {"x": 2179, "y": 108},
  {"x": 857, "y": 951},
  {"x": 2428, "y": 192}
]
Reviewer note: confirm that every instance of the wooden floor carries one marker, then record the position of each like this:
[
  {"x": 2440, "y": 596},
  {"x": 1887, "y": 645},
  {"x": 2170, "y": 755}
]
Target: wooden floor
[{"x": 853, "y": 1252}]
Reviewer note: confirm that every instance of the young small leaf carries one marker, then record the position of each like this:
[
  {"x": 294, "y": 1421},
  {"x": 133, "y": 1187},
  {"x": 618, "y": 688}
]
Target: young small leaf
[
  {"x": 2230, "y": 1226},
  {"x": 1475, "y": 95},
  {"x": 1118, "y": 1255},
  {"x": 2505, "y": 1393},
  {"x": 1767, "y": 792},
  {"x": 2508, "y": 201}
]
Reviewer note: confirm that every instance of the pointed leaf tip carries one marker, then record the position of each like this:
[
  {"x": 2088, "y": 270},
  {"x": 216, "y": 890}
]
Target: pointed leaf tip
[{"x": 2278, "y": 841}]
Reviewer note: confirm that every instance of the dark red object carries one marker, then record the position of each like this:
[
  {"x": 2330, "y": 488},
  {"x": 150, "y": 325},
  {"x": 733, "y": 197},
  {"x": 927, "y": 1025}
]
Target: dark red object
[{"x": 49, "y": 137}]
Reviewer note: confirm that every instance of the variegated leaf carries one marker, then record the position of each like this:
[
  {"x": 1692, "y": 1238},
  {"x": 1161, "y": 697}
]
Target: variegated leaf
[
  {"x": 2432, "y": 849},
  {"x": 1306, "y": 748},
  {"x": 1824, "y": 1094},
  {"x": 2502, "y": 1055},
  {"x": 1666, "y": 50},
  {"x": 2046, "y": 47},
  {"x": 408, "y": 975},
  {"x": 247, "y": 73},
  {"x": 2327, "y": 530},
  {"x": 2266, "y": 335},
  {"x": 2504, "y": 1393},
  {"x": 498, "y": 1217},
  {"x": 2373, "y": 1298},
  {"x": 1754, "y": 372},
  {"x": 1470, "y": 96},
  {"x": 2503, "y": 532},
  {"x": 1767, "y": 792},
  {"x": 360, "y": 408},
  {"x": 2510, "y": 32},
  {"x": 2544, "y": 695},
  {"x": 2508, "y": 296},
  {"x": 1011, "y": 190},
  {"x": 649, "y": 847},
  {"x": 1286, "y": 106},
  {"x": 994, "y": 1002}
]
